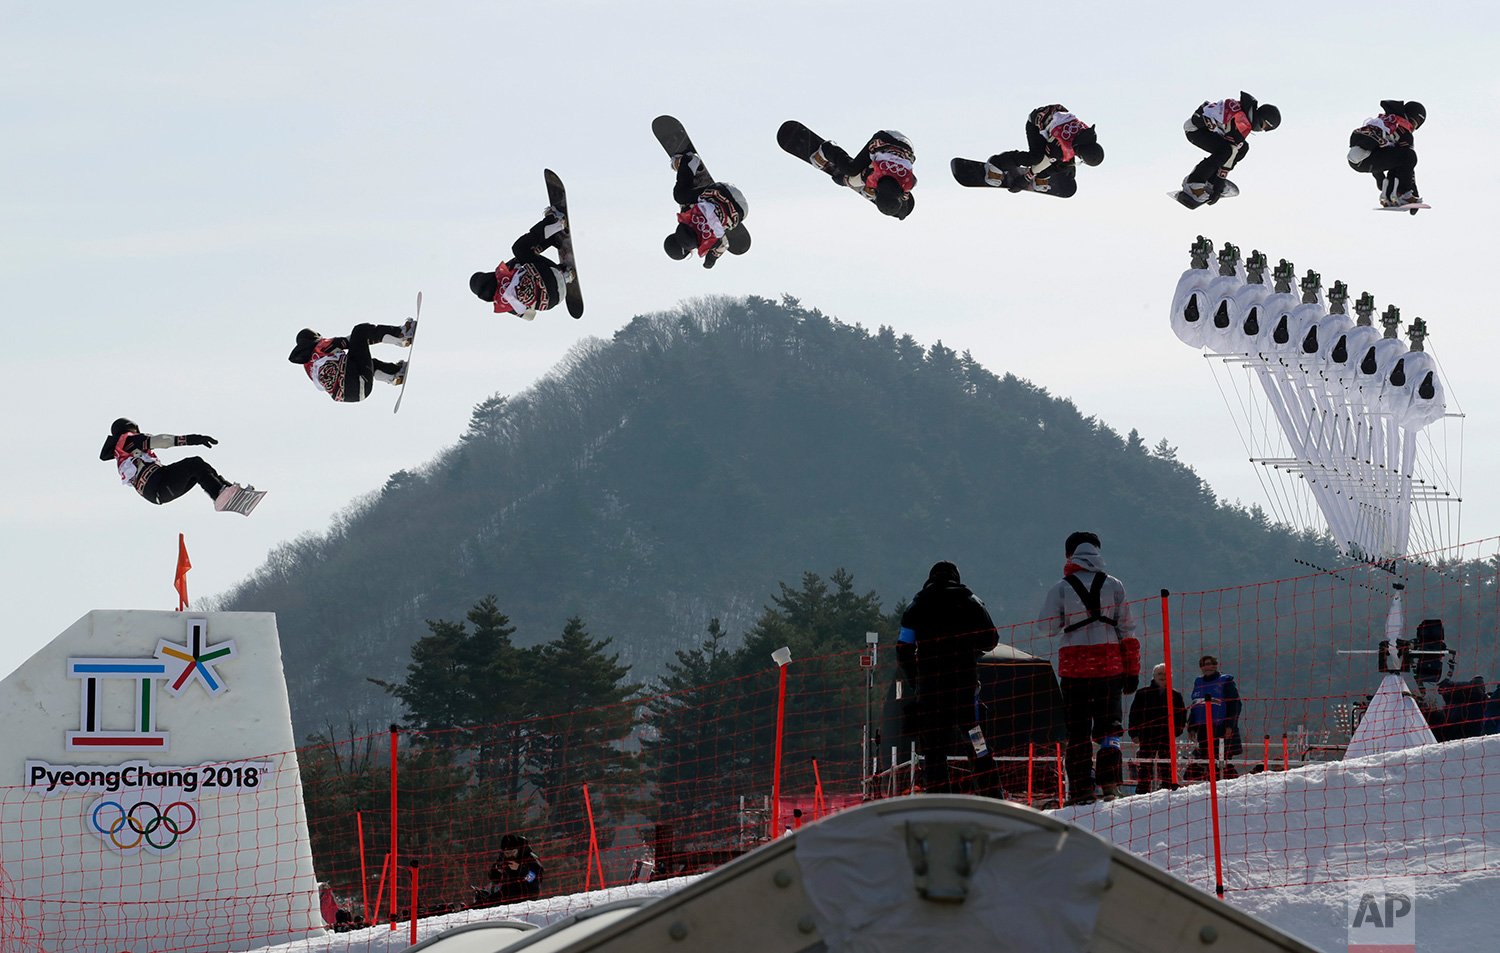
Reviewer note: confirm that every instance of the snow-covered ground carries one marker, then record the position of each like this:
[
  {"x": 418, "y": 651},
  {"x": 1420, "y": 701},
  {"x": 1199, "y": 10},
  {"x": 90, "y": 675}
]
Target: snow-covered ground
[{"x": 1294, "y": 846}]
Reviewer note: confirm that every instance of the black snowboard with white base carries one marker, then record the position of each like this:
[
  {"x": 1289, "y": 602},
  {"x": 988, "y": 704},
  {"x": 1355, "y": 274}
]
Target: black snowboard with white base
[
  {"x": 411, "y": 342},
  {"x": 973, "y": 174},
  {"x": 557, "y": 198},
  {"x": 675, "y": 141},
  {"x": 1187, "y": 199}
]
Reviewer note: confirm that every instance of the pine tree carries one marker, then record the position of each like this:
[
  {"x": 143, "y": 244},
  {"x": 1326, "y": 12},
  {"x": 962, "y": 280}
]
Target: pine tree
[
  {"x": 505, "y": 696},
  {"x": 584, "y": 699},
  {"x": 439, "y": 691},
  {"x": 692, "y": 753}
]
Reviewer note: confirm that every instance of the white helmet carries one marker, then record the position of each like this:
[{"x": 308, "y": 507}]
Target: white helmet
[{"x": 739, "y": 199}]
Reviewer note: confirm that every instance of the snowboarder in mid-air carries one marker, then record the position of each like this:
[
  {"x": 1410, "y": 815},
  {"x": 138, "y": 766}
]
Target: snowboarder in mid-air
[
  {"x": 1055, "y": 140},
  {"x": 710, "y": 212},
  {"x": 881, "y": 171},
  {"x": 343, "y": 368},
  {"x": 134, "y": 455},
  {"x": 1383, "y": 147},
  {"x": 1222, "y": 129},
  {"x": 530, "y": 281}
]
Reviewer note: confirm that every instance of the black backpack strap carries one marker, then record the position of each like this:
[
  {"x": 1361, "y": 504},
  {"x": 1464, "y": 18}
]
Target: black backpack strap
[{"x": 1092, "y": 603}]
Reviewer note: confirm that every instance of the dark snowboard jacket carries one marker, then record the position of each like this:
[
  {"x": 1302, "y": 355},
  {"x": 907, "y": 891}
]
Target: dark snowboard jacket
[
  {"x": 522, "y": 883},
  {"x": 1148, "y": 716},
  {"x": 943, "y": 632},
  {"x": 1463, "y": 711}
]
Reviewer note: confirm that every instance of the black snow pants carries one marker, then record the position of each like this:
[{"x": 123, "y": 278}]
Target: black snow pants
[
  {"x": 359, "y": 365},
  {"x": 1222, "y": 156},
  {"x": 1395, "y": 170},
  {"x": 166, "y": 483},
  {"x": 1091, "y": 711},
  {"x": 1060, "y": 178}
]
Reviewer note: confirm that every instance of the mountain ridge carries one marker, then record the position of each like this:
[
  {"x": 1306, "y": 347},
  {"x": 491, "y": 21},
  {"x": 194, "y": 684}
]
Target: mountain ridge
[{"x": 679, "y": 471}]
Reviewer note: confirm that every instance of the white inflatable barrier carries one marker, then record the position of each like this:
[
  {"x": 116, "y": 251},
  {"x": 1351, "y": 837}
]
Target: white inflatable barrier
[{"x": 966, "y": 873}]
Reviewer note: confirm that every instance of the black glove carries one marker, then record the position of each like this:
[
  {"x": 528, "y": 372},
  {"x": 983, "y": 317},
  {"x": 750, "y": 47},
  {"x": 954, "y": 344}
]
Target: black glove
[
  {"x": 709, "y": 260},
  {"x": 197, "y": 440},
  {"x": 1129, "y": 683}
]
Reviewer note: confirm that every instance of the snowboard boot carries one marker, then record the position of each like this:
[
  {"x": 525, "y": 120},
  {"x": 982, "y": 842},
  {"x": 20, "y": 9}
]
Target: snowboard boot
[
  {"x": 1108, "y": 792},
  {"x": 1387, "y": 192},
  {"x": 695, "y": 164},
  {"x": 399, "y": 377},
  {"x": 1080, "y": 800},
  {"x": 226, "y": 496},
  {"x": 553, "y": 222},
  {"x": 231, "y": 498},
  {"x": 1199, "y": 192},
  {"x": 402, "y": 336}
]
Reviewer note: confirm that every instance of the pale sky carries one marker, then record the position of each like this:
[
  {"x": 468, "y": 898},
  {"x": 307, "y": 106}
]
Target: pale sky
[{"x": 186, "y": 185}]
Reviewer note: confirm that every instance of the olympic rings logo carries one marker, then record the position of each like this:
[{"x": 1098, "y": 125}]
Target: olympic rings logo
[{"x": 135, "y": 821}]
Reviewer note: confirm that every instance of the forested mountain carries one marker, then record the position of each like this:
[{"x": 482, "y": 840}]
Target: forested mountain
[{"x": 680, "y": 471}]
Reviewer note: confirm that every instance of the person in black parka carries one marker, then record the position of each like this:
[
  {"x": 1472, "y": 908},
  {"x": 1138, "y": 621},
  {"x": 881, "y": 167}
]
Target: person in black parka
[
  {"x": 1148, "y": 729},
  {"x": 944, "y": 631},
  {"x": 517, "y": 872}
]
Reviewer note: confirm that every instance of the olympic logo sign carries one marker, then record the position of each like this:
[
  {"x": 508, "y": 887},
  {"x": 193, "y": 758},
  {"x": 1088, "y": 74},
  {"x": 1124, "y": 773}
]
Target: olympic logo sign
[{"x": 143, "y": 824}]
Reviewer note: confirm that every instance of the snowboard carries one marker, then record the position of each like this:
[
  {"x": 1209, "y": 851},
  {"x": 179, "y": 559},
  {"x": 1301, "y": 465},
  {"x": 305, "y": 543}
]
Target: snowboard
[
  {"x": 557, "y": 197},
  {"x": 1187, "y": 201},
  {"x": 674, "y": 139},
  {"x": 976, "y": 175},
  {"x": 244, "y": 501},
  {"x": 1412, "y": 207},
  {"x": 406, "y": 374},
  {"x": 973, "y": 174}
]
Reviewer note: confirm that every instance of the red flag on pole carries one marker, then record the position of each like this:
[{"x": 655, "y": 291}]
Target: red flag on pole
[{"x": 183, "y": 565}]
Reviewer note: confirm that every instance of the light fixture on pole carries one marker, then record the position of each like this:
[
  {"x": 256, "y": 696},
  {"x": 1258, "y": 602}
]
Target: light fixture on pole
[
  {"x": 782, "y": 657},
  {"x": 867, "y": 743}
]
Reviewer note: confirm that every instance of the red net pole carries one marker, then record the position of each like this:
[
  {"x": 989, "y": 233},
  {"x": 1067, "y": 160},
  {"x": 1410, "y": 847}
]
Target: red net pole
[
  {"x": 1213, "y": 798},
  {"x": 593, "y": 859},
  {"x": 1286, "y": 759},
  {"x": 364, "y": 877},
  {"x": 1030, "y": 764},
  {"x": 817, "y": 791},
  {"x": 413, "y": 902},
  {"x": 393, "y": 855},
  {"x": 380, "y": 891},
  {"x": 1166, "y": 649},
  {"x": 1060, "y": 797},
  {"x": 776, "y": 765}
]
